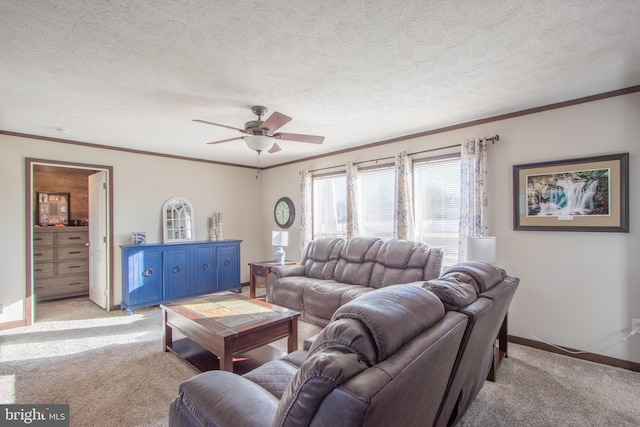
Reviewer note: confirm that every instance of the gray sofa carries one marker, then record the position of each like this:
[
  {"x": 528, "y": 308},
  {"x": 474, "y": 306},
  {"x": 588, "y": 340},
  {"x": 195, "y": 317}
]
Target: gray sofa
[
  {"x": 333, "y": 272},
  {"x": 383, "y": 360},
  {"x": 411, "y": 355}
]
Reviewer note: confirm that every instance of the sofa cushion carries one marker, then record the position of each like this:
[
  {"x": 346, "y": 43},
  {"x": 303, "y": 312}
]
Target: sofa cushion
[
  {"x": 320, "y": 374},
  {"x": 321, "y": 256},
  {"x": 356, "y": 260},
  {"x": 273, "y": 376},
  {"x": 402, "y": 261},
  {"x": 322, "y": 298},
  {"x": 455, "y": 290},
  {"x": 393, "y": 315},
  {"x": 485, "y": 275}
]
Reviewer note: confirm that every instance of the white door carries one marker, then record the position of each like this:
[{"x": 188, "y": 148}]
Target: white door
[{"x": 98, "y": 281}]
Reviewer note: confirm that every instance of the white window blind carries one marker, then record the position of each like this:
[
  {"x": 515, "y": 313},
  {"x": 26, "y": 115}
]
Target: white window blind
[
  {"x": 330, "y": 206},
  {"x": 437, "y": 204},
  {"x": 377, "y": 187}
]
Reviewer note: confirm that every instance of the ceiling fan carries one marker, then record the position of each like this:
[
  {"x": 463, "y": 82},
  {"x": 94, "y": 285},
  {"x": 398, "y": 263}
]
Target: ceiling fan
[{"x": 261, "y": 135}]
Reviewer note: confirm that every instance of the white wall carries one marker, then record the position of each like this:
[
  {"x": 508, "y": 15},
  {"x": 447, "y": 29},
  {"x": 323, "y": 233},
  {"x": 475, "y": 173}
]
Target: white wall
[
  {"x": 577, "y": 289},
  {"x": 141, "y": 184}
]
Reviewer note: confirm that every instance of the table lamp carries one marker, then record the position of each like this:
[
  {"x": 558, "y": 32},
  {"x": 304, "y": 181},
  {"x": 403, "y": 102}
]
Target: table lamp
[
  {"x": 480, "y": 249},
  {"x": 279, "y": 238}
]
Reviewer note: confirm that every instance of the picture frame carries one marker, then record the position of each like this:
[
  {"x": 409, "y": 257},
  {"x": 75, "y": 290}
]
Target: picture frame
[
  {"x": 52, "y": 208},
  {"x": 582, "y": 194}
]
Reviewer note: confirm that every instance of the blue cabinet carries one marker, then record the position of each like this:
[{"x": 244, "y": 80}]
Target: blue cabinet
[{"x": 154, "y": 274}]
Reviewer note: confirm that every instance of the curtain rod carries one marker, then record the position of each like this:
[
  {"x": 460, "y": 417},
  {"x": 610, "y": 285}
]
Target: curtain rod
[{"x": 493, "y": 140}]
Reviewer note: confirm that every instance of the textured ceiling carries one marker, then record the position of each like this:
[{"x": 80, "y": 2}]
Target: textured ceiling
[{"x": 135, "y": 73}]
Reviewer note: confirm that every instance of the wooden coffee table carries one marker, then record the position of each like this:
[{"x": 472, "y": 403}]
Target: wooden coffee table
[{"x": 226, "y": 324}]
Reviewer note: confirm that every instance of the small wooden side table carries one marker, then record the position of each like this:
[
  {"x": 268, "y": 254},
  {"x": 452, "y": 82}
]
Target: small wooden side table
[{"x": 261, "y": 269}]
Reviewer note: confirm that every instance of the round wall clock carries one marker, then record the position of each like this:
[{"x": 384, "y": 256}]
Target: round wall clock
[{"x": 284, "y": 212}]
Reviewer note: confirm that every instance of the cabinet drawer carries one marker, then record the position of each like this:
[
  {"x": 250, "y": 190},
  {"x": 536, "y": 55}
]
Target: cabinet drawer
[
  {"x": 42, "y": 270},
  {"x": 72, "y": 238},
  {"x": 61, "y": 287},
  {"x": 72, "y": 267},
  {"x": 64, "y": 253},
  {"x": 42, "y": 239},
  {"x": 43, "y": 254}
]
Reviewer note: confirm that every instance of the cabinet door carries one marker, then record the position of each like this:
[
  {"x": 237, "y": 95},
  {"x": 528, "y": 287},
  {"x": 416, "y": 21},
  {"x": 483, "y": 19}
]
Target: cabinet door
[
  {"x": 176, "y": 273},
  {"x": 228, "y": 267},
  {"x": 142, "y": 277},
  {"x": 204, "y": 271}
]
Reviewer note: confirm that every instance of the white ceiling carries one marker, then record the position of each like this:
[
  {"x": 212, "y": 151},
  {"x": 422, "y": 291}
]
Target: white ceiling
[{"x": 135, "y": 73}]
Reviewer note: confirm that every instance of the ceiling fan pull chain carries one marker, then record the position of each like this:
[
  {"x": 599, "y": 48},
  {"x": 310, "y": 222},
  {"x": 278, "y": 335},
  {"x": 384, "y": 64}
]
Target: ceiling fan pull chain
[{"x": 258, "y": 165}]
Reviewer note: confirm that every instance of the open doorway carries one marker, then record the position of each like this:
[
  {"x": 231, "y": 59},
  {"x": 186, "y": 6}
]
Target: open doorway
[{"x": 74, "y": 258}]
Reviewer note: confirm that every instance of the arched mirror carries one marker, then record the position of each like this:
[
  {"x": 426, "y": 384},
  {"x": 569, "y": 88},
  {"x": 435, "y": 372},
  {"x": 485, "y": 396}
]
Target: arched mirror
[{"x": 177, "y": 220}]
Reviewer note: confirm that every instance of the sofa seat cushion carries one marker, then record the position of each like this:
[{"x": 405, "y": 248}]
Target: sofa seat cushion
[
  {"x": 353, "y": 293},
  {"x": 273, "y": 376},
  {"x": 322, "y": 298},
  {"x": 288, "y": 291},
  {"x": 401, "y": 261}
]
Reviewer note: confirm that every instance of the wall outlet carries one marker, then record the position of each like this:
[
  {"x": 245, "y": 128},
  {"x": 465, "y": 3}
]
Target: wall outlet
[{"x": 635, "y": 325}]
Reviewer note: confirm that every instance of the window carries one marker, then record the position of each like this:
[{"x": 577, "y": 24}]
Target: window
[
  {"x": 330, "y": 206},
  {"x": 437, "y": 204},
  {"x": 376, "y": 202}
]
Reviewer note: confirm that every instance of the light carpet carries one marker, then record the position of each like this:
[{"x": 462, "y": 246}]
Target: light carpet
[{"x": 111, "y": 370}]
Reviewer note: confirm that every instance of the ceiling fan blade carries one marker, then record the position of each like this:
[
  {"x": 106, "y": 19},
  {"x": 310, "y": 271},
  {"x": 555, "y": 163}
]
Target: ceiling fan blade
[
  {"x": 225, "y": 140},
  {"x": 275, "y": 148},
  {"x": 218, "y": 124},
  {"x": 275, "y": 122},
  {"x": 313, "y": 139}
]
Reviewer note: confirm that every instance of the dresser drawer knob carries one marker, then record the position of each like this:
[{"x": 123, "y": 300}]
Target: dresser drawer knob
[
  {"x": 176, "y": 269},
  {"x": 148, "y": 272},
  {"x": 205, "y": 266}
]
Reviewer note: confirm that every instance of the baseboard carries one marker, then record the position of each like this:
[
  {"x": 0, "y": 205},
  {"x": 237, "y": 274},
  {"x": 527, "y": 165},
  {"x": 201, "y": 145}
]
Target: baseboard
[
  {"x": 591, "y": 357},
  {"x": 14, "y": 324}
]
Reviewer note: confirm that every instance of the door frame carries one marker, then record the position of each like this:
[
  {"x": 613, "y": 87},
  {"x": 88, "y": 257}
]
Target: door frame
[{"x": 29, "y": 221}]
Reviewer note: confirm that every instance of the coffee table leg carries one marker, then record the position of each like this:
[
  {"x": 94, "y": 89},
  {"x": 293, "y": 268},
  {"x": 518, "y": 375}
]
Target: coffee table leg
[
  {"x": 226, "y": 362},
  {"x": 292, "y": 341},
  {"x": 167, "y": 332}
]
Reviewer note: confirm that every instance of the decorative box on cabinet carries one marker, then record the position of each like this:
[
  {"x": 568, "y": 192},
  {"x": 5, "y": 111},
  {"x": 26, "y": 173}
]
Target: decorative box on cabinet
[
  {"x": 157, "y": 273},
  {"x": 60, "y": 262}
]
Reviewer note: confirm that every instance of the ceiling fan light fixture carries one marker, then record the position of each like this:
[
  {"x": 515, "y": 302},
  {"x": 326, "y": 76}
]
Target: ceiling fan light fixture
[{"x": 258, "y": 143}]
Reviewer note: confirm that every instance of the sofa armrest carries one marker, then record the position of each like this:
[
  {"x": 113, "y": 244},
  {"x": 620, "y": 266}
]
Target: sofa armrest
[
  {"x": 288, "y": 270},
  {"x": 211, "y": 398}
]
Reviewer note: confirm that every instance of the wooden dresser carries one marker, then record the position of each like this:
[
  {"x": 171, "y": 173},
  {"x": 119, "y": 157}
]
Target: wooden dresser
[{"x": 60, "y": 262}]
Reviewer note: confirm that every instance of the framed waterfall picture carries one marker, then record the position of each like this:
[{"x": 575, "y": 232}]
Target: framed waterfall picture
[{"x": 586, "y": 194}]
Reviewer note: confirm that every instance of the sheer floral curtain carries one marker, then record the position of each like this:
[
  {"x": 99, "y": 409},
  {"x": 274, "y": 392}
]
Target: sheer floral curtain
[
  {"x": 306, "y": 232},
  {"x": 473, "y": 192},
  {"x": 353, "y": 229},
  {"x": 403, "y": 212}
]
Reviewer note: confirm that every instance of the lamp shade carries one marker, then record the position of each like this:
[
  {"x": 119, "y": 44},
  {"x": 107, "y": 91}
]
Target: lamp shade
[
  {"x": 258, "y": 142},
  {"x": 279, "y": 238},
  {"x": 480, "y": 249}
]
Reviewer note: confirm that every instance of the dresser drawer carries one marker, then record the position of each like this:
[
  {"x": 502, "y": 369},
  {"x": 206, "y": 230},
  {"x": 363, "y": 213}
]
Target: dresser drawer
[
  {"x": 72, "y": 238},
  {"x": 43, "y": 239},
  {"x": 72, "y": 267},
  {"x": 61, "y": 287},
  {"x": 64, "y": 253},
  {"x": 43, "y": 254},
  {"x": 42, "y": 270}
]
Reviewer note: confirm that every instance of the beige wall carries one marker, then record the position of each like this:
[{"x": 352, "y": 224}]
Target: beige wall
[
  {"x": 141, "y": 184},
  {"x": 577, "y": 289}
]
